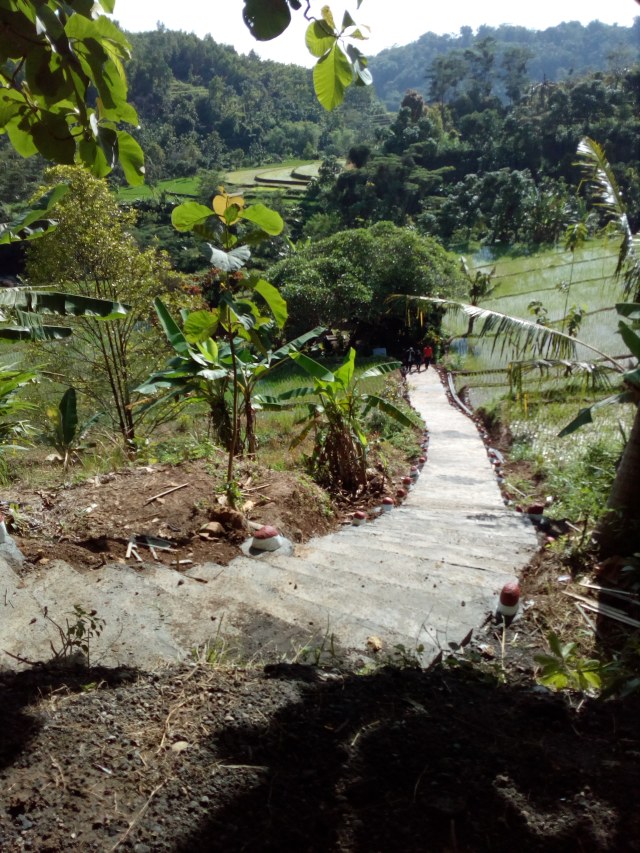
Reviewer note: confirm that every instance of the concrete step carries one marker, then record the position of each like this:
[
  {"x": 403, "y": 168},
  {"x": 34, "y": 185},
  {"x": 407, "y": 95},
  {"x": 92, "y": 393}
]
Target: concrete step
[
  {"x": 371, "y": 545},
  {"x": 423, "y": 574},
  {"x": 309, "y": 596}
]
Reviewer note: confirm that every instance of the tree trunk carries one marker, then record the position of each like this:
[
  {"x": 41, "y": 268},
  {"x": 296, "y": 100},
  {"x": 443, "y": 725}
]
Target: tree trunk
[{"x": 618, "y": 531}]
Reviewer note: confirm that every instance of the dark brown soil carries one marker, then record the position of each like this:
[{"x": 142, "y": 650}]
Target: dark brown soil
[
  {"x": 92, "y": 523},
  {"x": 298, "y": 759},
  {"x": 470, "y": 755}
]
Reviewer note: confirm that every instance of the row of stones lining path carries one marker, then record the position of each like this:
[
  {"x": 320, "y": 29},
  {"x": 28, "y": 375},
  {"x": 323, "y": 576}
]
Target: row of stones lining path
[{"x": 422, "y": 575}]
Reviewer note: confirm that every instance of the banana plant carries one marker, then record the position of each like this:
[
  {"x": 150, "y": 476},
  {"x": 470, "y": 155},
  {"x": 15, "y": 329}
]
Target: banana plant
[
  {"x": 195, "y": 374},
  {"x": 202, "y": 371},
  {"x": 66, "y": 434},
  {"x": 255, "y": 366},
  {"x": 336, "y": 417},
  {"x": 22, "y": 309},
  {"x": 11, "y": 380}
]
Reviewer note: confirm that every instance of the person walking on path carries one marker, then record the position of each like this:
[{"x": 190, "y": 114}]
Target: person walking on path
[
  {"x": 427, "y": 356},
  {"x": 411, "y": 358}
]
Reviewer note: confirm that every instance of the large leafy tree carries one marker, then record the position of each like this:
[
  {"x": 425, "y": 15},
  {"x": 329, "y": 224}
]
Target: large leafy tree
[
  {"x": 343, "y": 281},
  {"x": 63, "y": 90}
]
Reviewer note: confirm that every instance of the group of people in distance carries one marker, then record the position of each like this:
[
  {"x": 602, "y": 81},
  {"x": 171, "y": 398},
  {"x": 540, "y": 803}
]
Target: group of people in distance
[{"x": 418, "y": 358}]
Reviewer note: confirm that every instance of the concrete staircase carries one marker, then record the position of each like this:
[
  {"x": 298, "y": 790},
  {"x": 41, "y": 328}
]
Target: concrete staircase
[{"x": 422, "y": 575}]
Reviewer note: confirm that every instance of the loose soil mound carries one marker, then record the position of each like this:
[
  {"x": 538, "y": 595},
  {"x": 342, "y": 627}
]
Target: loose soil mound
[{"x": 91, "y": 523}]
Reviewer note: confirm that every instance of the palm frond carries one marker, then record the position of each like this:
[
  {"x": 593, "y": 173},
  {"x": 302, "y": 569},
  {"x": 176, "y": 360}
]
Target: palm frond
[
  {"x": 593, "y": 376},
  {"x": 599, "y": 177},
  {"x": 523, "y": 335}
]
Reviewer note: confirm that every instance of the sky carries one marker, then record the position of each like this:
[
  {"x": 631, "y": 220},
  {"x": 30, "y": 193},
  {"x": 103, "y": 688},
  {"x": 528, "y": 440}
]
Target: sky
[{"x": 392, "y": 22}]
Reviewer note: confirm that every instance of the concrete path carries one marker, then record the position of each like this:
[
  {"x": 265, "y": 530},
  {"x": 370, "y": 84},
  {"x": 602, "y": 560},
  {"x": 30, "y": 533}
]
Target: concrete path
[{"x": 422, "y": 575}]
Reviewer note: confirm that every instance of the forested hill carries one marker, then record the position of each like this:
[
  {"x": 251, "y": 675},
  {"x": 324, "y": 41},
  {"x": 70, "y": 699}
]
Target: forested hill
[
  {"x": 204, "y": 106},
  {"x": 436, "y": 65}
]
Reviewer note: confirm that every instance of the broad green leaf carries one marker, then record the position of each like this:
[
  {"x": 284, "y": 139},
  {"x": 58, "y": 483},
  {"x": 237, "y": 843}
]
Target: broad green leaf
[
  {"x": 347, "y": 21},
  {"x": 93, "y": 157},
  {"x": 98, "y": 29},
  {"x": 268, "y": 220},
  {"x": 48, "y": 24},
  {"x": 199, "y": 326},
  {"x": 375, "y": 402},
  {"x": 631, "y": 339},
  {"x": 131, "y": 158},
  {"x": 20, "y": 133},
  {"x": 630, "y": 310},
  {"x": 52, "y": 138},
  {"x": 188, "y": 214},
  {"x": 312, "y": 367},
  {"x": 591, "y": 678},
  {"x": 229, "y": 261},
  {"x": 273, "y": 298},
  {"x": 52, "y": 302},
  {"x": 10, "y": 104},
  {"x": 344, "y": 374},
  {"x": 213, "y": 375},
  {"x": 381, "y": 369},
  {"x": 331, "y": 75},
  {"x": 298, "y": 342},
  {"x": 584, "y": 416},
  {"x": 266, "y": 19},
  {"x": 632, "y": 377},
  {"x": 68, "y": 415},
  {"x": 170, "y": 328},
  {"x": 209, "y": 349},
  {"x": 319, "y": 38},
  {"x": 26, "y": 333}
]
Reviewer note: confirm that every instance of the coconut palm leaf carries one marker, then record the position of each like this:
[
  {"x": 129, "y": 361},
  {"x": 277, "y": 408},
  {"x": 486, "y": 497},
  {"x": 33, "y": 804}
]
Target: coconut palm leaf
[
  {"x": 594, "y": 377},
  {"x": 585, "y": 416},
  {"x": 523, "y": 335},
  {"x": 599, "y": 177}
]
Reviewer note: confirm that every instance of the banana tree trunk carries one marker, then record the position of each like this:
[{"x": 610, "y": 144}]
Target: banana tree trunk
[{"x": 619, "y": 529}]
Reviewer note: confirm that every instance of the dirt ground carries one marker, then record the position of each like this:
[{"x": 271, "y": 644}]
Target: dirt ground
[
  {"x": 469, "y": 755},
  {"x": 93, "y": 522}
]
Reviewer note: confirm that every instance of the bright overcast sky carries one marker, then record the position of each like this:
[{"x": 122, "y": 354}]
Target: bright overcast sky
[{"x": 391, "y": 21}]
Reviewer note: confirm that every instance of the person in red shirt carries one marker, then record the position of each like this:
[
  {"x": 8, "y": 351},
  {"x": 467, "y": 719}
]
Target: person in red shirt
[{"x": 427, "y": 356}]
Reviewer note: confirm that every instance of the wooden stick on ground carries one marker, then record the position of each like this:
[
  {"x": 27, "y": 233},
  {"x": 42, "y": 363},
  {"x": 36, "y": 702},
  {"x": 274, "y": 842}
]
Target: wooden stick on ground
[
  {"x": 167, "y": 492},
  {"x": 604, "y": 609}
]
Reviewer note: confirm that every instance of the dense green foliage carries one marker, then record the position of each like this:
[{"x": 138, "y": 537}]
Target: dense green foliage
[
  {"x": 63, "y": 90},
  {"x": 343, "y": 282},
  {"x": 444, "y": 67},
  {"x": 481, "y": 170}
]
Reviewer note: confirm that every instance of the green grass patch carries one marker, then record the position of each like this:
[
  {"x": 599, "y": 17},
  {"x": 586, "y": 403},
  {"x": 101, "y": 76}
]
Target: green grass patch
[{"x": 173, "y": 186}]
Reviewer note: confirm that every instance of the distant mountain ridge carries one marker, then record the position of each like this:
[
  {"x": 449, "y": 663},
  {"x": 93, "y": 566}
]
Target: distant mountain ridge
[{"x": 568, "y": 49}]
